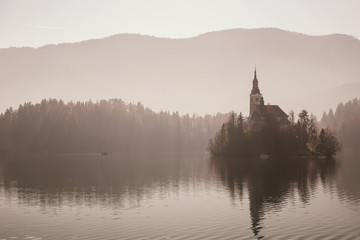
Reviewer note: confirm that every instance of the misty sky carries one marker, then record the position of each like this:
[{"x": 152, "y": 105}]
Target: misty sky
[{"x": 39, "y": 22}]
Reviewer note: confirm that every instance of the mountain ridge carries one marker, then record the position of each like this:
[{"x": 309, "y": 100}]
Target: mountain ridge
[
  {"x": 208, "y": 73},
  {"x": 184, "y": 38}
]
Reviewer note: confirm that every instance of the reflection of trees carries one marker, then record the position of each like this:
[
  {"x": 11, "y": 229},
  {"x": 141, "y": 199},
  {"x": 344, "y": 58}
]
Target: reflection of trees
[
  {"x": 348, "y": 184},
  {"x": 113, "y": 181},
  {"x": 269, "y": 183}
]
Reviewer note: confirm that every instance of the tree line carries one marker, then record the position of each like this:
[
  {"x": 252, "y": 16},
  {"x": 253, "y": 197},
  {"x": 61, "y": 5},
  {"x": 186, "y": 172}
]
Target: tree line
[
  {"x": 111, "y": 125},
  {"x": 302, "y": 137},
  {"x": 345, "y": 122}
]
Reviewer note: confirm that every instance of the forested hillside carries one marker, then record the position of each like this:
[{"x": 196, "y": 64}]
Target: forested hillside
[
  {"x": 113, "y": 125},
  {"x": 345, "y": 121}
]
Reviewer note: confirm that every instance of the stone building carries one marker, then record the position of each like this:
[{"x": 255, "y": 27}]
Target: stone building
[{"x": 260, "y": 113}]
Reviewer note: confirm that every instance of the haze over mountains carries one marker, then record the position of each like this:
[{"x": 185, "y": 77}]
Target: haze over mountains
[{"x": 205, "y": 74}]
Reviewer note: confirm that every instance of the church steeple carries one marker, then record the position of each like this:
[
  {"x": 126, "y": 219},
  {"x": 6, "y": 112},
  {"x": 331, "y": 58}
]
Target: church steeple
[
  {"x": 255, "y": 88},
  {"x": 256, "y": 99}
]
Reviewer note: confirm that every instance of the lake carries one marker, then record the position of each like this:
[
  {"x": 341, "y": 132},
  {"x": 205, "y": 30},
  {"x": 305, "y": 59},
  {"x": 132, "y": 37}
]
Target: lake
[{"x": 178, "y": 196}]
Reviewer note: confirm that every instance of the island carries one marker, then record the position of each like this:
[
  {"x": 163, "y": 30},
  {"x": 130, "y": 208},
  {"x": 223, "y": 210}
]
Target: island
[{"x": 268, "y": 130}]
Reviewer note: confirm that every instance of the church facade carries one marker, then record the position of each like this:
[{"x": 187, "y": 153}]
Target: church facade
[{"x": 260, "y": 113}]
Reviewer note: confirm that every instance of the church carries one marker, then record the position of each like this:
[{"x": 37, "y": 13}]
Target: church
[{"x": 259, "y": 112}]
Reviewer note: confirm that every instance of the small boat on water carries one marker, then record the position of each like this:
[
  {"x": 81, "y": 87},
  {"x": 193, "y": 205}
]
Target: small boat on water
[
  {"x": 264, "y": 156},
  {"x": 104, "y": 153}
]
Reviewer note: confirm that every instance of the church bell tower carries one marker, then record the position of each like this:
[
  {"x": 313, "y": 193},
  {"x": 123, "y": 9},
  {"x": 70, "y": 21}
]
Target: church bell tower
[{"x": 255, "y": 96}]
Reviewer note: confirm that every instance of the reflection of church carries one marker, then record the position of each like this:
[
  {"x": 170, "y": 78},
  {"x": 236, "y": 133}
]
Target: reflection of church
[
  {"x": 271, "y": 185},
  {"x": 259, "y": 112}
]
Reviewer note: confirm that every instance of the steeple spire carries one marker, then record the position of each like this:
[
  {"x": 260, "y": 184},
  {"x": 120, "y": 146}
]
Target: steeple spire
[
  {"x": 255, "y": 73},
  {"x": 255, "y": 88}
]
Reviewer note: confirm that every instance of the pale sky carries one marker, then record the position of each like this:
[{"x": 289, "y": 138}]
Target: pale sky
[{"x": 40, "y": 22}]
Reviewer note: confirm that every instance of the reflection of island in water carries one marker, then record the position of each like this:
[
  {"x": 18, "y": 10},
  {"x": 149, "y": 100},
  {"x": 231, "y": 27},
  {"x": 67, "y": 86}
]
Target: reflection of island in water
[
  {"x": 123, "y": 182},
  {"x": 271, "y": 183}
]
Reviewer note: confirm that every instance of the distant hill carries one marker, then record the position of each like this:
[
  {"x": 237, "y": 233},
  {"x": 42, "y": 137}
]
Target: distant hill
[{"x": 204, "y": 74}]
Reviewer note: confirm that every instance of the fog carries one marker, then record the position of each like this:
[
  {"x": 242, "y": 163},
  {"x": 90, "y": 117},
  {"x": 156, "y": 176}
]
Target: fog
[{"x": 209, "y": 73}]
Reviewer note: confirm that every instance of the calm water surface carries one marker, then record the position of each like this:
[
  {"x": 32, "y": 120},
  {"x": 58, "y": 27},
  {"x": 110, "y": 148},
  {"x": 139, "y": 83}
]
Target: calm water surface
[{"x": 177, "y": 196}]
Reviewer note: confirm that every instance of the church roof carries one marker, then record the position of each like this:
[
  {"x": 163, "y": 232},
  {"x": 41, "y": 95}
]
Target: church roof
[
  {"x": 276, "y": 111},
  {"x": 266, "y": 110}
]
